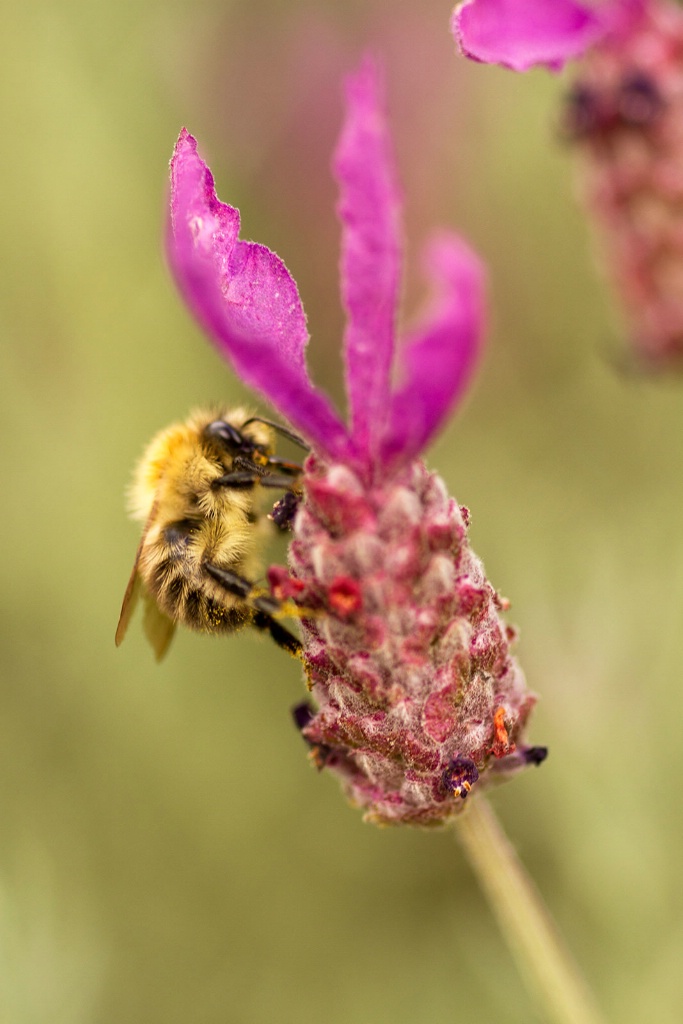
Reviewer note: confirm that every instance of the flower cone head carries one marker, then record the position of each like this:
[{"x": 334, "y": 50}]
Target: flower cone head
[{"x": 408, "y": 660}]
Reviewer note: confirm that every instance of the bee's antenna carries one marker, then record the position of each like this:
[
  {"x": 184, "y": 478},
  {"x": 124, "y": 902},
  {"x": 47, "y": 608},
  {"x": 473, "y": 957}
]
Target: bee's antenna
[{"x": 284, "y": 431}]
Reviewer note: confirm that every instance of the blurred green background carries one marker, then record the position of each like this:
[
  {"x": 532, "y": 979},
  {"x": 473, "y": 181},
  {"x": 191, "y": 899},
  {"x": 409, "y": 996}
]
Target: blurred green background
[{"x": 168, "y": 855}]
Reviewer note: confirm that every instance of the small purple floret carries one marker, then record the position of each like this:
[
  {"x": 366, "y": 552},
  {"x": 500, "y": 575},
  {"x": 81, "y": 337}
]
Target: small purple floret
[
  {"x": 303, "y": 714},
  {"x": 460, "y": 776},
  {"x": 535, "y": 755},
  {"x": 284, "y": 510}
]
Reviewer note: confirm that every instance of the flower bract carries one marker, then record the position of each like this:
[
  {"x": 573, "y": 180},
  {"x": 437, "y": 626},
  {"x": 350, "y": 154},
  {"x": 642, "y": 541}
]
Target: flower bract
[{"x": 400, "y": 390}]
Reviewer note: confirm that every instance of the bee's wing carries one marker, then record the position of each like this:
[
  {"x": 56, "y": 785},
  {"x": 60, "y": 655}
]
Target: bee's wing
[
  {"x": 158, "y": 627},
  {"x": 130, "y": 599}
]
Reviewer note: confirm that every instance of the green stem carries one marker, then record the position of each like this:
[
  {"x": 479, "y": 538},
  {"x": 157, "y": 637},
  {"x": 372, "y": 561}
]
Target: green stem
[{"x": 532, "y": 936}]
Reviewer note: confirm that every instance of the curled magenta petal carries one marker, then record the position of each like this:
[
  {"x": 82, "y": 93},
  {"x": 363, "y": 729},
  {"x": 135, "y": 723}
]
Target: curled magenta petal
[
  {"x": 245, "y": 298},
  {"x": 520, "y": 34},
  {"x": 370, "y": 211},
  {"x": 438, "y": 357}
]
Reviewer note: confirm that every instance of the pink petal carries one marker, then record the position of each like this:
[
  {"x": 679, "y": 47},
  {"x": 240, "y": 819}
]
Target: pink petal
[
  {"x": 244, "y": 297},
  {"x": 520, "y": 34},
  {"x": 437, "y": 358},
  {"x": 369, "y": 207}
]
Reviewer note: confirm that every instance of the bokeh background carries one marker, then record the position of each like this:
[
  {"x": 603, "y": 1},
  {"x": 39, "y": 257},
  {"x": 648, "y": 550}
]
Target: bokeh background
[{"x": 167, "y": 854}]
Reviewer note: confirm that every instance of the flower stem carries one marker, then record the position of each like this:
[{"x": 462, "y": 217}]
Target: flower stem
[{"x": 542, "y": 958}]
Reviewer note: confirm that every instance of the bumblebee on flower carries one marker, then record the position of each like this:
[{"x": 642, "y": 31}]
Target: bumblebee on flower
[{"x": 417, "y": 697}]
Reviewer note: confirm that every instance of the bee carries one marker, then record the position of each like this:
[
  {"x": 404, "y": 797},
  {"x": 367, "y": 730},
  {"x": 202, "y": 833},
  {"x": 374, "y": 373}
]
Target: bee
[{"x": 196, "y": 490}]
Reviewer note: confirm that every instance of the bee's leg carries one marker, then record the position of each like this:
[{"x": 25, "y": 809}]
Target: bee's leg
[
  {"x": 265, "y": 607},
  {"x": 243, "y": 479},
  {"x": 237, "y": 586},
  {"x": 284, "y": 465},
  {"x": 247, "y": 464},
  {"x": 280, "y": 634},
  {"x": 284, "y": 510}
]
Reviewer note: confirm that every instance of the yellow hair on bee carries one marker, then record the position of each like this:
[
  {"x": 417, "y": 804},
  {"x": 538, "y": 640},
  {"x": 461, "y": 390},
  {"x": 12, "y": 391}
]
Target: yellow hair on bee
[{"x": 178, "y": 465}]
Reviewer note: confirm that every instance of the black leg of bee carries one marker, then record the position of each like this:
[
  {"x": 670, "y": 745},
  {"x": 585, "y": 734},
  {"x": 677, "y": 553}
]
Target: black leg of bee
[
  {"x": 246, "y": 464},
  {"x": 249, "y": 478},
  {"x": 285, "y": 466},
  {"x": 235, "y": 584},
  {"x": 282, "y": 483},
  {"x": 280, "y": 634},
  {"x": 265, "y": 607}
]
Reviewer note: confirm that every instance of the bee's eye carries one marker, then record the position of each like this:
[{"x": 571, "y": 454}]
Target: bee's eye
[{"x": 226, "y": 434}]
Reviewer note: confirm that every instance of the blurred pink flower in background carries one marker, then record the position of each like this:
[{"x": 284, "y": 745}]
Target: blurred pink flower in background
[
  {"x": 521, "y": 34},
  {"x": 625, "y": 115},
  {"x": 418, "y": 697}
]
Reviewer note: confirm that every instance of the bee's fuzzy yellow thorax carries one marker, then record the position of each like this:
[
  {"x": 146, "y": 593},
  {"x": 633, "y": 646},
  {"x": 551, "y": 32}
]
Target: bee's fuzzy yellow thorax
[{"x": 179, "y": 465}]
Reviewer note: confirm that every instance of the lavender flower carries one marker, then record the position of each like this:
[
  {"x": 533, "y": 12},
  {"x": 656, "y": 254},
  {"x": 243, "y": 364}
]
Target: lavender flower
[
  {"x": 417, "y": 697},
  {"x": 623, "y": 113}
]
